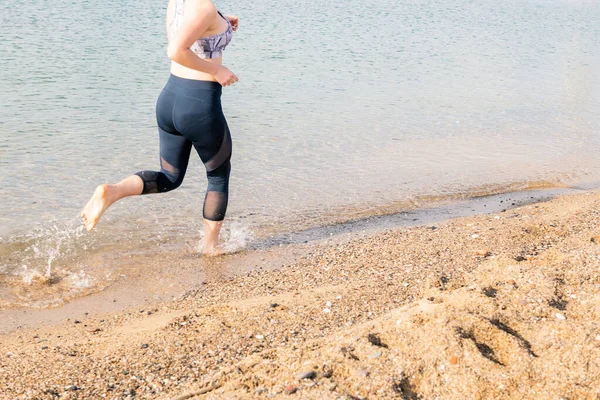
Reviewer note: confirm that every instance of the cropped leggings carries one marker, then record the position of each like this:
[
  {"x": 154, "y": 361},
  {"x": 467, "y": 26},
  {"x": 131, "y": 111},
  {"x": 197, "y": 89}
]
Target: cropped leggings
[{"x": 189, "y": 113}]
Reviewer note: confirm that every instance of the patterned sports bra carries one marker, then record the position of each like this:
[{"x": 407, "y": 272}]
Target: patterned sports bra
[{"x": 206, "y": 47}]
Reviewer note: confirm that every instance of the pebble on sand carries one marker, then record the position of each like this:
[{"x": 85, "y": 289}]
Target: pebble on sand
[
  {"x": 290, "y": 389},
  {"x": 453, "y": 360},
  {"x": 560, "y": 317},
  {"x": 374, "y": 339},
  {"x": 306, "y": 375}
]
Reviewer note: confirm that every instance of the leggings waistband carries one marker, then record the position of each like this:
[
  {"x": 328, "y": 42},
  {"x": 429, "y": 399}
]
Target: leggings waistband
[{"x": 194, "y": 84}]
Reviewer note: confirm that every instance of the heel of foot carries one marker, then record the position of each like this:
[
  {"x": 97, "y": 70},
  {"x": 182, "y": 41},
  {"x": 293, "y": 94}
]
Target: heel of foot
[{"x": 102, "y": 190}]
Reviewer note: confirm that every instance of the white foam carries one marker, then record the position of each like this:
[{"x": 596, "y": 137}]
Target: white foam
[
  {"x": 234, "y": 237},
  {"x": 81, "y": 280},
  {"x": 41, "y": 250}
]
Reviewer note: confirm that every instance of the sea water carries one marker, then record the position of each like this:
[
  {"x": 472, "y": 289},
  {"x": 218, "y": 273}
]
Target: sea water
[{"x": 343, "y": 109}]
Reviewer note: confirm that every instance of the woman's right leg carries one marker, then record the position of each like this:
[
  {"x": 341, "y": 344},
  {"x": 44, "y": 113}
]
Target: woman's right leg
[
  {"x": 215, "y": 205},
  {"x": 199, "y": 117}
]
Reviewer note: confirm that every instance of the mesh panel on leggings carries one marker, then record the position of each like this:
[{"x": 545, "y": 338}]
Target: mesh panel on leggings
[
  {"x": 215, "y": 205},
  {"x": 169, "y": 170}
]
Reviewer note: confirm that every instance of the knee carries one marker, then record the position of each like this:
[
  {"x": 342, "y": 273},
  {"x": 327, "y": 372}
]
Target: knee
[
  {"x": 158, "y": 182},
  {"x": 168, "y": 183},
  {"x": 171, "y": 186}
]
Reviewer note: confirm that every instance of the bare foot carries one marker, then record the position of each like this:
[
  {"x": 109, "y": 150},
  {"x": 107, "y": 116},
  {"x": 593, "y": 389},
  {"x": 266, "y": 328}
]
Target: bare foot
[
  {"x": 94, "y": 208},
  {"x": 213, "y": 252},
  {"x": 211, "y": 248}
]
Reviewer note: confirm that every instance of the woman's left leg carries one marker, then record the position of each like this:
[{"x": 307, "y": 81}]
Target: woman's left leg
[
  {"x": 105, "y": 195},
  {"x": 174, "y": 157}
]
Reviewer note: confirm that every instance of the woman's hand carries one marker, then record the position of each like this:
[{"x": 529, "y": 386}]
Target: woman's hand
[
  {"x": 225, "y": 77},
  {"x": 234, "y": 21}
]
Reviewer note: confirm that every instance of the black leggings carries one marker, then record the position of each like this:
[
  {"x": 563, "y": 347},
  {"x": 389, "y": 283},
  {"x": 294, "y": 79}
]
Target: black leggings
[{"x": 188, "y": 112}]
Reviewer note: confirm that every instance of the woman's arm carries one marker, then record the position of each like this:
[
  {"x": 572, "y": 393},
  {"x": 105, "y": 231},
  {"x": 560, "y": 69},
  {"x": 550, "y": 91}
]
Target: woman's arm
[{"x": 199, "y": 16}]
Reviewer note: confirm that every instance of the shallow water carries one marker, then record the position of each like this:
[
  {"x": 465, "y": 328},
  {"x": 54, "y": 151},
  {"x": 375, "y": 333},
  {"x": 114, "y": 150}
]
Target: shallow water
[{"x": 343, "y": 109}]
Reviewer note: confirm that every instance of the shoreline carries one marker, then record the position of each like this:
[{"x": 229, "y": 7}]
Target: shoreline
[
  {"x": 496, "y": 305},
  {"x": 58, "y": 266},
  {"x": 141, "y": 275}
]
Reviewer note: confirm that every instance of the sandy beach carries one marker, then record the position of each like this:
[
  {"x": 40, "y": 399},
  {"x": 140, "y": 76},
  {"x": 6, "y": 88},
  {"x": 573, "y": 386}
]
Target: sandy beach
[{"x": 494, "y": 306}]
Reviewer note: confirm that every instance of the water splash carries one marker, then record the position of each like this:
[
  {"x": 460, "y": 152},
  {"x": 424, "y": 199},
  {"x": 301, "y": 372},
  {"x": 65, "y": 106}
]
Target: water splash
[
  {"x": 48, "y": 265},
  {"x": 41, "y": 255},
  {"x": 234, "y": 237}
]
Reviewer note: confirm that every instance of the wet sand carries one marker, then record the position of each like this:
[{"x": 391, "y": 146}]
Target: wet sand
[{"x": 500, "y": 305}]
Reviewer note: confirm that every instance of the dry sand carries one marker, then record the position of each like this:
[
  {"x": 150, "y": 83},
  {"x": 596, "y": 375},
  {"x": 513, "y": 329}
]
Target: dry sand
[{"x": 496, "y": 306}]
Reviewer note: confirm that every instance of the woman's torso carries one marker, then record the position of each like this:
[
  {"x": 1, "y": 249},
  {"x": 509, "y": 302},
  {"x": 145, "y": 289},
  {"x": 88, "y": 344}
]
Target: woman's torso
[{"x": 218, "y": 26}]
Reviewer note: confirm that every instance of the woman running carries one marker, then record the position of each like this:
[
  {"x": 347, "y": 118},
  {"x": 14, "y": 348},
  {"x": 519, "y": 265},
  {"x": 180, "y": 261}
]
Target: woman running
[{"x": 188, "y": 113}]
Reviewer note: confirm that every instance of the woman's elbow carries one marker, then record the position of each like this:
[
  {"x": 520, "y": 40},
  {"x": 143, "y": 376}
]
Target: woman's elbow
[{"x": 174, "y": 53}]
